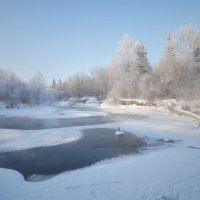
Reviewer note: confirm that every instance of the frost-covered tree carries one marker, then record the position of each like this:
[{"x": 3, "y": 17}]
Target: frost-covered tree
[
  {"x": 168, "y": 70},
  {"x": 12, "y": 89},
  {"x": 129, "y": 74},
  {"x": 178, "y": 67},
  {"x": 37, "y": 86},
  {"x": 133, "y": 61},
  {"x": 187, "y": 40},
  {"x": 174, "y": 71},
  {"x": 133, "y": 56},
  {"x": 100, "y": 81},
  {"x": 77, "y": 85},
  {"x": 140, "y": 58},
  {"x": 125, "y": 53},
  {"x": 54, "y": 84},
  {"x": 169, "y": 48},
  {"x": 196, "y": 54}
]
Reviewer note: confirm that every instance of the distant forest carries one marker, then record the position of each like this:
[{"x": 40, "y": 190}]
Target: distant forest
[{"x": 128, "y": 75}]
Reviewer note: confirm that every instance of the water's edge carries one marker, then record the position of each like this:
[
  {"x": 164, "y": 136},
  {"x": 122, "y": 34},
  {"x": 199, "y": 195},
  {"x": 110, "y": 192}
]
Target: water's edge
[{"x": 96, "y": 145}]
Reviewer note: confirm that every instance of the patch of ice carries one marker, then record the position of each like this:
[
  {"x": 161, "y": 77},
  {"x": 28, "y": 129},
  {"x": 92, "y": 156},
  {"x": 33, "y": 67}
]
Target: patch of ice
[{"x": 12, "y": 140}]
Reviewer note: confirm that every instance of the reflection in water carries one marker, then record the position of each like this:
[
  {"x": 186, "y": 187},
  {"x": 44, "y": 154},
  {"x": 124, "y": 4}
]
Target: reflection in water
[
  {"x": 95, "y": 145},
  {"x": 122, "y": 149},
  {"x": 26, "y": 123}
]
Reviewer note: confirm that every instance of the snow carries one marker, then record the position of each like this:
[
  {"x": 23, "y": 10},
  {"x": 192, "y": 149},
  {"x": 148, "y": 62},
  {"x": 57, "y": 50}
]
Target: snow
[
  {"x": 12, "y": 140},
  {"x": 84, "y": 101},
  {"x": 191, "y": 109},
  {"x": 173, "y": 169},
  {"x": 56, "y": 110},
  {"x": 181, "y": 107}
]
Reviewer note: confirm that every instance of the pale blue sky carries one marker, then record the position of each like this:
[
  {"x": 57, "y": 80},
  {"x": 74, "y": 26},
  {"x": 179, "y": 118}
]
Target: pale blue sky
[{"x": 61, "y": 37}]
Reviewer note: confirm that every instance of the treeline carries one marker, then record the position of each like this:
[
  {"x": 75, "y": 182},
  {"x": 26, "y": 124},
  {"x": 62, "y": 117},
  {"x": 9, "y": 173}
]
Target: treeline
[
  {"x": 14, "y": 91},
  {"x": 128, "y": 75}
]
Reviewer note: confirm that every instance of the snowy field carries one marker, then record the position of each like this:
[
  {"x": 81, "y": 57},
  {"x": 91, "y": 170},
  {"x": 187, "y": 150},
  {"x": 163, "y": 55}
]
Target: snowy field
[{"x": 170, "y": 171}]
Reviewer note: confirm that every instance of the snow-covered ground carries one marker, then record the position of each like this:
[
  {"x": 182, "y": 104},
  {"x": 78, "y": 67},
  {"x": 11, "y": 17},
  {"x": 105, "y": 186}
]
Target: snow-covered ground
[
  {"x": 186, "y": 108},
  {"x": 148, "y": 176}
]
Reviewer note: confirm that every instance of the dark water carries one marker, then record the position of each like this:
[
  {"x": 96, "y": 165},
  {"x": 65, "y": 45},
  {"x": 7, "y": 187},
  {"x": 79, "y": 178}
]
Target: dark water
[
  {"x": 26, "y": 123},
  {"x": 95, "y": 145}
]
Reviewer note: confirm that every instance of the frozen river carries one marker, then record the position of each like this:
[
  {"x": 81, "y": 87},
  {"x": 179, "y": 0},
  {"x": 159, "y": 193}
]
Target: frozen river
[
  {"x": 158, "y": 155},
  {"x": 95, "y": 145}
]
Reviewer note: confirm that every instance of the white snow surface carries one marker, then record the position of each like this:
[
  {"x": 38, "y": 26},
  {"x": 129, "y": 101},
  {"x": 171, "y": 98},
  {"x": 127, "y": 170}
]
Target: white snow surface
[
  {"x": 181, "y": 107},
  {"x": 12, "y": 140},
  {"x": 56, "y": 110},
  {"x": 147, "y": 176}
]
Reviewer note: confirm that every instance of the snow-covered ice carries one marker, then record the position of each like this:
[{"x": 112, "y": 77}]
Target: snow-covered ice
[
  {"x": 145, "y": 176},
  {"x": 11, "y": 140},
  {"x": 56, "y": 110}
]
